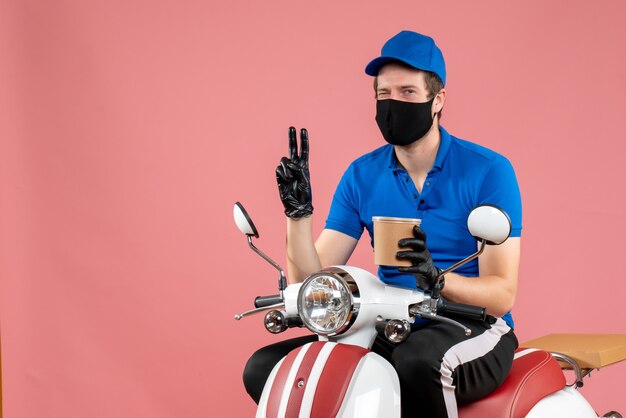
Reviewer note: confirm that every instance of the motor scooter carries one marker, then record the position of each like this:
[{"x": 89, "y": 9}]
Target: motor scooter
[{"x": 346, "y": 306}]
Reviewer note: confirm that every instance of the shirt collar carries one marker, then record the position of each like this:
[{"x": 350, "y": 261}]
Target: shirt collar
[
  {"x": 444, "y": 147},
  {"x": 442, "y": 152}
]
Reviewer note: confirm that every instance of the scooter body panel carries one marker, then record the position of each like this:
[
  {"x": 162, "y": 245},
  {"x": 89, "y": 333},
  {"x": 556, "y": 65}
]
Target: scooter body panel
[
  {"x": 564, "y": 403},
  {"x": 325, "y": 379},
  {"x": 374, "y": 391}
]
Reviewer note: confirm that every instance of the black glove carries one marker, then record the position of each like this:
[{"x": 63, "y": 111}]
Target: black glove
[
  {"x": 423, "y": 268},
  {"x": 292, "y": 175}
]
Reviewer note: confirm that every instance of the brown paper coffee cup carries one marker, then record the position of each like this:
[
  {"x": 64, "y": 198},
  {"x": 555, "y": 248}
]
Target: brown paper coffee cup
[{"x": 387, "y": 233}]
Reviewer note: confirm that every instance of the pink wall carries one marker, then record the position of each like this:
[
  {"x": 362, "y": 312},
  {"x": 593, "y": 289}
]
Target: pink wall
[{"x": 129, "y": 128}]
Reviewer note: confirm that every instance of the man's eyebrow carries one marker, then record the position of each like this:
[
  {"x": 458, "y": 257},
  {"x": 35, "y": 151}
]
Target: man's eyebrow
[{"x": 403, "y": 86}]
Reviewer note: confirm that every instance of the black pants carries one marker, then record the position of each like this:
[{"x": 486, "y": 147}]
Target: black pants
[{"x": 438, "y": 366}]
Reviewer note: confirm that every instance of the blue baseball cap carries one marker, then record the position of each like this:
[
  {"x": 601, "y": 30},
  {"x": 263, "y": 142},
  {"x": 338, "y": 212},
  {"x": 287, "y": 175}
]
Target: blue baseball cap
[{"x": 413, "y": 49}]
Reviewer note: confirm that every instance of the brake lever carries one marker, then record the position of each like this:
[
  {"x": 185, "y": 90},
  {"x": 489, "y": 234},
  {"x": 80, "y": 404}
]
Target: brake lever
[
  {"x": 424, "y": 310},
  {"x": 258, "y": 310}
]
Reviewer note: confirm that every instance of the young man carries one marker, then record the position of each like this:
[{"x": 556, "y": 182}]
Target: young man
[{"x": 425, "y": 173}]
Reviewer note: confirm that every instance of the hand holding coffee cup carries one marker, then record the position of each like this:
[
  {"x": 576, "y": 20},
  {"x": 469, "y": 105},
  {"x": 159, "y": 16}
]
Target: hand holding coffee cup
[
  {"x": 422, "y": 266},
  {"x": 401, "y": 242},
  {"x": 387, "y": 233}
]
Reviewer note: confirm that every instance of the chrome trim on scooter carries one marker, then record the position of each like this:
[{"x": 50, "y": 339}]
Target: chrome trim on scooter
[
  {"x": 275, "y": 321},
  {"x": 433, "y": 317},
  {"x": 580, "y": 374},
  {"x": 258, "y": 310},
  {"x": 453, "y": 267},
  {"x": 424, "y": 310},
  {"x": 355, "y": 299},
  {"x": 282, "y": 280},
  {"x": 397, "y": 330}
]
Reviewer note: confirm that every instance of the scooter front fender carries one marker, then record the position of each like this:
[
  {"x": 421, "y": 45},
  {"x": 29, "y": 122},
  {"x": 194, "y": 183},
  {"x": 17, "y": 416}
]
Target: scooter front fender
[{"x": 325, "y": 379}]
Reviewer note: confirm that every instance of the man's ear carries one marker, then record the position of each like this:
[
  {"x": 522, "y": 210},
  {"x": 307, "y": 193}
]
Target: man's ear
[{"x": 440, "y": 100}]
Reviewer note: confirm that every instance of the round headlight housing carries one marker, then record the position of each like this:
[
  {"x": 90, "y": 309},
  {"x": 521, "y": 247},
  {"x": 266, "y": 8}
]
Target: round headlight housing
[{"x": 326, "y": 302}]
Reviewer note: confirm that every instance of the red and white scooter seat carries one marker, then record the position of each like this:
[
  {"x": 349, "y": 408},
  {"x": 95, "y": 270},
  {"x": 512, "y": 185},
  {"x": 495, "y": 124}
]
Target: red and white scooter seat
[{"x": 535, "y": 374}]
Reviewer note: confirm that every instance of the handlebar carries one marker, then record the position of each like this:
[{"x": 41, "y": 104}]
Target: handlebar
[
  {"x": 445, "y": 307},
  {"x": 263, "y": 301}
]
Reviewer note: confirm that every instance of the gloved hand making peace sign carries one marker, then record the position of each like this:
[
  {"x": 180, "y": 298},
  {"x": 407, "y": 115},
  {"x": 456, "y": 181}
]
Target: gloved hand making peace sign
[{"x": 292, "y": 175}]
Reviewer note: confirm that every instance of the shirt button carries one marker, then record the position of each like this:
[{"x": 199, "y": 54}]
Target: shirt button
[
  {"x": 414, "y": 196},
  {"x": 406, "y": 179},
  {"x": 428, "y": 183}
]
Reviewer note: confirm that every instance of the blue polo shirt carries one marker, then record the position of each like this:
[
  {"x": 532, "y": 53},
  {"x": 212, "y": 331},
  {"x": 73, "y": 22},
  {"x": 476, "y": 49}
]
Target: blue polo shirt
[{"x": 463, "y": 176}]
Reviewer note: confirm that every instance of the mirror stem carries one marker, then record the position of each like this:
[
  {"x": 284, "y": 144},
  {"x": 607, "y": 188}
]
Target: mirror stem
[
  {"x": 436, "y": 291},
  {"x": 462, "y": 262},
  {"x": 282, "y": 281}
]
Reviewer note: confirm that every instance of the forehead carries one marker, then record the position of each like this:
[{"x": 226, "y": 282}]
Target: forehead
[{"x": 398, "y": 74}]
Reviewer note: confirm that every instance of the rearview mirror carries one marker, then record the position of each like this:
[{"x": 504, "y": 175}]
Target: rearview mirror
[
  {"x": 489, "y": 223},
  {"x": 243, "y": 221},
  {"x": 245, "y": 225}
]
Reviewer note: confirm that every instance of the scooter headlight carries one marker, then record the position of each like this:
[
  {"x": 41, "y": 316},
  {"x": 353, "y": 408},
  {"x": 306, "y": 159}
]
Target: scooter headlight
[{"x": 326, "y": 302}]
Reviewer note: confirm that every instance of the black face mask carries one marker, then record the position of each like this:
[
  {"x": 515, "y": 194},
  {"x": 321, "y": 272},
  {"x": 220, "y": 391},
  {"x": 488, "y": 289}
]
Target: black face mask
[{"x": 403, "y": 123}]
